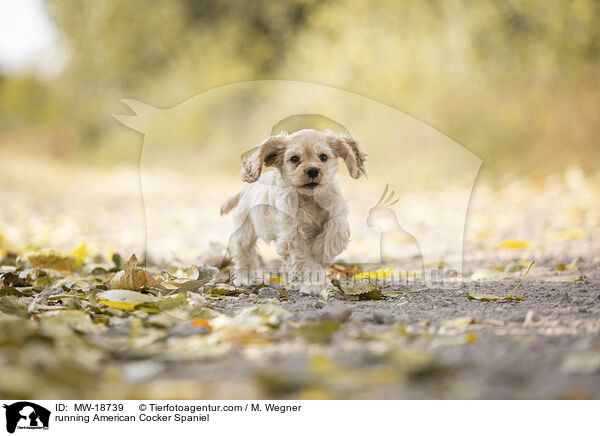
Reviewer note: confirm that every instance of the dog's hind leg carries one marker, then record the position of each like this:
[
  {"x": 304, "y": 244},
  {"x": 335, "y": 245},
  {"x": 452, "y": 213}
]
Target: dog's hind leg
[{"x": 242, "y": 246}]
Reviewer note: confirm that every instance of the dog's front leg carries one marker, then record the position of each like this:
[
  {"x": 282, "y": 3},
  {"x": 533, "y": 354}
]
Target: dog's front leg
[
  {"x": 305, "y": 272},
  {"x": 332, "y": 240}
]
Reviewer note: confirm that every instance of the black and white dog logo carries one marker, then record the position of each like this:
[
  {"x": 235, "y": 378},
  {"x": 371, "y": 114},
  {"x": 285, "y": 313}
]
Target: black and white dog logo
[{"x": 26, "y": 415}]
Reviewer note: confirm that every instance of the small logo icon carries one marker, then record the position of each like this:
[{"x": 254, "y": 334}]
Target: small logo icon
[{"x": 26, "y": 415}]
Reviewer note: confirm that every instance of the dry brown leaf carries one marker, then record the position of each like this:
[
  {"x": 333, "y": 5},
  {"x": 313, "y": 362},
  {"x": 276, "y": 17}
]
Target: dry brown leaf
[
  {"x": 51, "y": 259},
  {"x": 132, "y": 278}
]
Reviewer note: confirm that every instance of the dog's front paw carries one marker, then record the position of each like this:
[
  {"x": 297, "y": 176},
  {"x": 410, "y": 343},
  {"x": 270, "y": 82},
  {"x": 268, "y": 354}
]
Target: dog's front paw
[{"x": 323, "y": 290}]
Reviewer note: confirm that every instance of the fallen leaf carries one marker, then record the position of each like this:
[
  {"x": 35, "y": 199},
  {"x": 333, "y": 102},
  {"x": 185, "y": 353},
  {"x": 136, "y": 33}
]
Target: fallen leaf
[
  {"x": 369, "y": 291},
  {"x": 191, "y": 348},
  {"x": 458, "y": 322},
  {"x": 573, "y": 266},
  {"x": 14, "y": 306},
  {"x": 253, "y": 317},
  {"x": 221, "y": 289},
  {"x": 322, "y": 365},
  {"x": 12, "y": 279},
  {"x": 190, "y": 272},
  {"x": 379, "y": 274},
  {"x": 340, "y": 270},
  {"x": 490, "y": 297},
  {"x": 65, "y": 322},
  {"x": 514, "y": 244},
  {"x": 164, "y": 304},
  {"x": 50, "y": 259},
  {"x": 207, "y": 273},
  {"x": 565, "y": 279},
  {"x": 187, "y": 328},
  {"x": 569, "y": 235},
  {"x": 201, "y": 322},
  {"x": 318, "y": 332},
  {"x": 9, "y": 290},
  {"x": 182, "y": 285},
  {"x": 123, "y": 299},
  {"x": 132, "y": 278},
  {"x": 80, "y": 254},
  {"x": 414, "y": 360},
  {"x": 471, "y": 338}
]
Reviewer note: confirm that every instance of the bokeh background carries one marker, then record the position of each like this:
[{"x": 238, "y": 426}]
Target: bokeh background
[{"x": 515, "y": 82}]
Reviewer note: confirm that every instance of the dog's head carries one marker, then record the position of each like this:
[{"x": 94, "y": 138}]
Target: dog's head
[{"x": 306, "y": 159}]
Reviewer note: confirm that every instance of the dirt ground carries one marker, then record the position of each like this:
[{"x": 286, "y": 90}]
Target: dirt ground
[
  {"x": 420, "y": 341},
  {"x": 433, "y": 344}
]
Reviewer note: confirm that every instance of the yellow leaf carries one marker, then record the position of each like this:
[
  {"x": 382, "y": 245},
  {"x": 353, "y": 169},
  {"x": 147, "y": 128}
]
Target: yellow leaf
[
  {"x": 471, "y": 338},
  {"x": 379, "y": 274},
  {"x": 276, "y": 279},
  {"x": 322, "y": 365},
  {"x": 459, "y": 322},
  {"x": 570, "y": 235},
  {"x": 80, "y": 254},
  {"x": 119, "y": 304},
  {"x": 490, "y": 297},
  {"x": 440, "y": 264},
  {"x": 514, "y": 244},
  {"x": 123, "y": 299}
]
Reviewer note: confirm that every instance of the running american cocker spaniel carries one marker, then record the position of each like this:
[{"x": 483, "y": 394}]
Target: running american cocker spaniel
[{"x": 299, "y": 206}]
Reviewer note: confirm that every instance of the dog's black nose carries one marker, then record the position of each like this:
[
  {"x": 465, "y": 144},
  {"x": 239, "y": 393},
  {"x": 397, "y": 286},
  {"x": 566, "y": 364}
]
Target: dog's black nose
[{"x": 312, "y": 172}]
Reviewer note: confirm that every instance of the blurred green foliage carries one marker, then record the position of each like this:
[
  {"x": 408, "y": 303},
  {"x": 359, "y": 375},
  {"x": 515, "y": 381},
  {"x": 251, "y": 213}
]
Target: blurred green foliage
[{"x": 514, "y": 81}]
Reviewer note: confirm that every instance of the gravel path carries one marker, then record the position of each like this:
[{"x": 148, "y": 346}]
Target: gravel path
[{"x": 435, "y": 343}]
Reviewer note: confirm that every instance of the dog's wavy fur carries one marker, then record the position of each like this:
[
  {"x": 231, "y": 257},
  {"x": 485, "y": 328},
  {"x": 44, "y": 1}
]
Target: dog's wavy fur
[{"x": 308, "y": 223}]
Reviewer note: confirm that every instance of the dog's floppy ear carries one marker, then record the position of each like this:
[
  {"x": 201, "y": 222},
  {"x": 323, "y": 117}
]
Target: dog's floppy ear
[
  {"x": 349, "y": 149},
  {"x": 269, "y": 152}
]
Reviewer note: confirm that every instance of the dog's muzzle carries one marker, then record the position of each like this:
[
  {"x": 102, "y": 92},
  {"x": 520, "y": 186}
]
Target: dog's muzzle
[{"x": 312, "y": 172}]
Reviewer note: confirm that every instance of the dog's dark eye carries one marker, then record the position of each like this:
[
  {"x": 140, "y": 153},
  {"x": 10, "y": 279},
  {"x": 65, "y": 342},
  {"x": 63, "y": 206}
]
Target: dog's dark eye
[
  {"x": 294, "y": 159},
  {"x": 323, "y": 157}
]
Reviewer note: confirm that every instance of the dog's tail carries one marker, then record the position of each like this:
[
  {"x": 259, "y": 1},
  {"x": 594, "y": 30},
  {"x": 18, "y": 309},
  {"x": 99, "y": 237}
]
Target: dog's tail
[{"x": 230, "y": 203}]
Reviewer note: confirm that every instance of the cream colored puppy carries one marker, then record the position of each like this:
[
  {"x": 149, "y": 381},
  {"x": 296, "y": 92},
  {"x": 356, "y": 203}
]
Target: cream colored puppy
[{"x": 299, "y": 206}]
